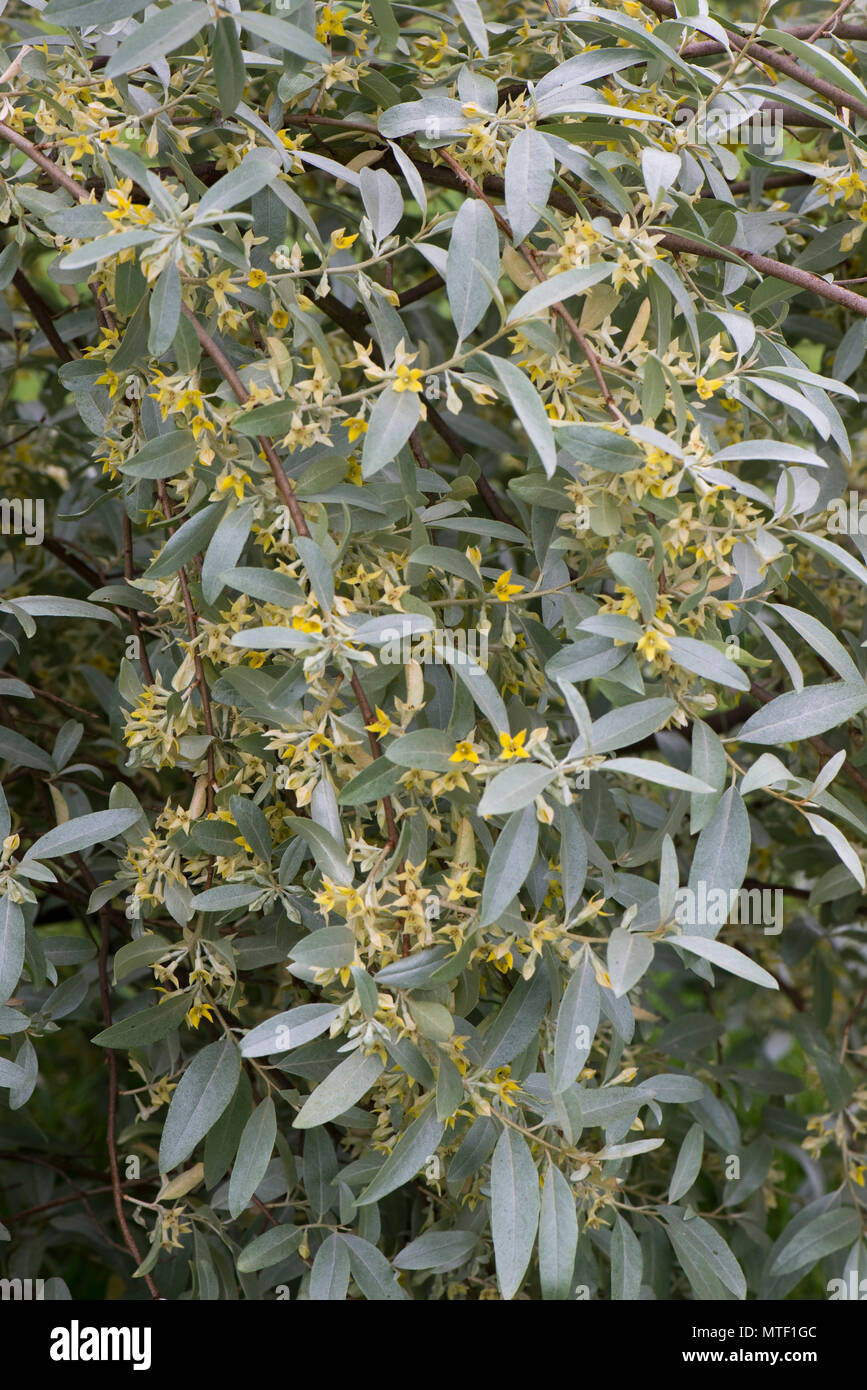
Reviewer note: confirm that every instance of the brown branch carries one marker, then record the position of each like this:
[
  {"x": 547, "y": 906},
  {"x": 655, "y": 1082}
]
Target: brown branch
[
  {"x": 111, "y": 1126},
  {"x": 494, "y": 186},
  {"x": 779, "y": 62},
  {"x": 91, "y": 576},
  {"x": 458, "y": 448},
  {"x": 828, "y": 24},
  {"x": 42, "y": 314},
  {"x": 425, "y": 287}
]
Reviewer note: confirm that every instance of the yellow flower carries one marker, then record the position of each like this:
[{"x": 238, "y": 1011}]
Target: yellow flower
[
  {"x": 307, "y": 624},
  {"x": 408, "y": 379},
  {"x": 356, "y": 426},
  {"x": 80, "y": 145},
  {"x": 381, "y": 725},
  {"x": 279, "y": 318},
  {"x": 706, "y": 388},
  {"x": 651, "y": 644},
  {"x": 330, "y": 22},
  {"x": 234, "y": 482},
  {"x": 459, "y": 888},
  {"x": 464, "y": 753},
  {"x": 198, "y": 1012},
  {"x": 319, "y": 741},
  {"x": 503, "y": 590},
  {"x": 513, "y": 747},
  {"x": 256, "y": 278},
  {"x": 340, "y": 241}
]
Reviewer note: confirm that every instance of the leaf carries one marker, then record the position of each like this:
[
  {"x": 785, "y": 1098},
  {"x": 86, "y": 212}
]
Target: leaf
[
  {"x": 412, "y": 1150},
  {"x": 637, "y": 576},
  {"x": 600, "y": 447},
  {"x": 187, "y": 540},
  {"x": 372, "y": 1272},
  {"x": 558, "y": 1236},
  {"x": 318, "y": 570},
  {"x": 330, "y": 948},
  {"x": 81, "y": 833},
  {"x": 629, "y": 956},
  {"x": 628, "y": 724},
  {"x": 20, "y": 752},
  {"x": 329, "y": 855},
  {"x": 627, "y": 1262},
  {"x": 474, "y": 239},
  {"x": 826, "y": 1233},
  {"x": 439, "y": 1250},
  {"x": 79, "y": 14},
  {"x": 577, "y": 1021},
  {"x": 480, "y": 685},
  {"x": 726, "y": 957},
  {"x": 198, "y": 1101},
  {"x": 722, "y": 852},
  {"x": 706, "y": 661},
  {"x": 819, "y": 59},
  {"x": 515, "y": 788},
  {"x": 165, "y": 31},
  {"x": 708, "y": 1263},
  {"x": 474, "y": 23},
  {"x": 823, "y": 642},
  {"x": 229, "y": 70},
  {"x": 269, "y": 586},
  {"x": 53, "y": 606},
  {"x": 688, "y": 1165},
  {"x": 708, "y": 765},
  {"x": 138, "y": 954},
  {"x": 529, "y": 409},
  {"x": 514, "y": 1210},
  {"x": 517, "y": 1022},
  {"x": 288, "y": 1030},
  {"x": 105, "y": 246},
  {"x": 224, "y": 550},
  {"x": 165, "y": 310},
  {"x": 253, "y": 1157},
  {"x": 510, "y": 864},
  {"x": 661, "y": 773},
  {"x": 343, "y": 1088},
  {"x": 329, "y": 1275},
  {"x": 392, "y": 421},
  {"x": 804, "y": 713},
  {"x": 258, "y": 168},
  {"x": 12, "y": 944},
  {"x": 146, "y": 1026},
  {"x": 529, "y": 176},
  {"x": 382, "y": 200},
  {"x": 660, "y": 169},
  {"x": 163, "y": 457},
  {"x": 270, "y": 1248},
  {"x": 841, "y": 846},
  {"x": 287, "y": 36},
  {"x": 557, "y": 289}
]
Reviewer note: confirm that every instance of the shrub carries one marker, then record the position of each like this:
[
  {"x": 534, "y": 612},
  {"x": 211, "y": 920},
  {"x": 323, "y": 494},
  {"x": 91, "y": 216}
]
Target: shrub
[{"x": 434, "y": 715}]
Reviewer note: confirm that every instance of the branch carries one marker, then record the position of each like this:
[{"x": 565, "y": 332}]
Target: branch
[
  {"x": 42, "y": 314},
  {"x": 779, "y": 62}
]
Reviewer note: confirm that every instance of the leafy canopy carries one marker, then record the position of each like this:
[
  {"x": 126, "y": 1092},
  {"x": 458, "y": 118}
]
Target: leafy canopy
[{"x": 433, "y": 720}]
